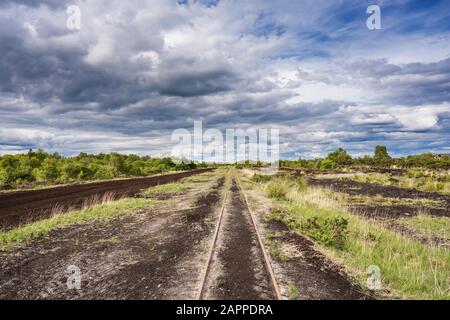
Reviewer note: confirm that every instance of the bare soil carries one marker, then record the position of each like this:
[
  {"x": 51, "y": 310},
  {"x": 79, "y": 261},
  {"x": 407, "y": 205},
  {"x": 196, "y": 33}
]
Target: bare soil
[
  {"x": 393, "y": 211},
  {"x": 155, "y": 253},
  {"x": 392, "y": 171},
  {"x": 21, "y": 207}
]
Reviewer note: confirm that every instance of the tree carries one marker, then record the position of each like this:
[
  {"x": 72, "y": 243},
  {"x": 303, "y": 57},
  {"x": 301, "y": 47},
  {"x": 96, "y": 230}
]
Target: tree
[
  {"x": 340, "y": 157},
  {"x": 48, "y": 171},
  {"x": 116, "y": 161},
  {"x": 70, "y": 170},
  {"x": 381, "y": 152},
  {"x": 381, "y": 156}
]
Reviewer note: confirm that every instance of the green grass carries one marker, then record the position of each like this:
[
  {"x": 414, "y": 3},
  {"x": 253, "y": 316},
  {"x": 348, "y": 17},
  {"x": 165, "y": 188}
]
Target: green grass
[
  {"x": 165, "y": 189},
  {"x": 20, "y": 236},
  {"x": 434, "y": 226},
  {"x": 260, "y": 178},
  {"x": 410, "y": 270},
  {"x": 276, "y": 190},
  {"x": 274, "y": 248},
  {"x": 293, "y": 291}
]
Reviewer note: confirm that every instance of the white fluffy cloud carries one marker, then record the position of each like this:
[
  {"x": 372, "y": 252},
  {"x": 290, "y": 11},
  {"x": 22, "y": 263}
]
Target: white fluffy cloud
[{"x": 139, "y": 69}]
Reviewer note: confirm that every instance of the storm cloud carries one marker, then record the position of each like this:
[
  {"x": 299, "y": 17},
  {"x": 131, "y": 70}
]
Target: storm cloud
[{"x": 137, "y": 70}]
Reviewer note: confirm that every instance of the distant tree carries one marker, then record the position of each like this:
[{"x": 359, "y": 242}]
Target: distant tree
[
  {"x": 326, "y": 164},
  {"x": 116, "y": 161},
  {"x": 48, "y": 171},
  {"x": 42, "y": 166},
  {"x": 381, "y": 152},
  {"x": 70, "y": 170},
  {"x": 106, "y": 172},
  {"x": 381, "y": 156},
  {"x": 340, "y": 157}
]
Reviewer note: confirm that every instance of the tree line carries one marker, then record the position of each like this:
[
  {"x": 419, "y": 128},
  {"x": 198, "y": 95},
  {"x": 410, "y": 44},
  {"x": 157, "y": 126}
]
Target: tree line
[
  {"x": 380, "y": 158},
  {"x": 42, "y": 166}
]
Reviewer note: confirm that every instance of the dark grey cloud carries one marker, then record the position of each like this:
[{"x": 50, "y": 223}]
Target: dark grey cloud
[
  {"x": 36, "y": 3},
  {"x": 196, "y": 83},
  {"x": 139, "y": 73}
]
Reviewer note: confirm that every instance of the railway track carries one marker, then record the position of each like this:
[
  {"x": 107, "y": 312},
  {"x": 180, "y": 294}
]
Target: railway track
[{"x": 235, "y": 252}]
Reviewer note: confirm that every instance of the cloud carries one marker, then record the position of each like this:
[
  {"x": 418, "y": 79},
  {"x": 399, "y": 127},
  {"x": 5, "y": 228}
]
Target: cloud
[{"x": 138, "y": 70}]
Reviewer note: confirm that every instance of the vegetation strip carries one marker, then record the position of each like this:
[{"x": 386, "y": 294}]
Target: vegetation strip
[
  {"x": 380, "y": 160},
  {"x": 40, "y": 166},
  {"x": 20, "y": 236}
]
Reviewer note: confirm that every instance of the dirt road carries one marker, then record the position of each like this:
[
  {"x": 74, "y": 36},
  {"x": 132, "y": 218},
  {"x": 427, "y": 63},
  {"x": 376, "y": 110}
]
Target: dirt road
[{"x": 21, "y": 207}]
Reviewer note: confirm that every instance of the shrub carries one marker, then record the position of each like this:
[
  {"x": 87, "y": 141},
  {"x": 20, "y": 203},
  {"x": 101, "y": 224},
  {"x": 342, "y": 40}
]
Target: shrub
[
  {"x": 331, "y": 231},
  {"x": 326, "y": 164},
  {"x": 106, "y": 172},
  {"x": 276, "y": 190},
  {"x": 340, "y": 157},
  {"x": 48, "y": 171}
]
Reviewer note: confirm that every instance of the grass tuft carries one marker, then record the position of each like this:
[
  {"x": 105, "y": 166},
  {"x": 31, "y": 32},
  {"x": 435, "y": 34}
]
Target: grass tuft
[
  {"x": 165, "y": 189},
  {"x": 276, "y": 190},
  {"x": 260, "y": 178}
]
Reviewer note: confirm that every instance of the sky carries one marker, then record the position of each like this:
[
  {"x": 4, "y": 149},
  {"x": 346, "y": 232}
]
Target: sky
[{"x": 138, "y": 70}]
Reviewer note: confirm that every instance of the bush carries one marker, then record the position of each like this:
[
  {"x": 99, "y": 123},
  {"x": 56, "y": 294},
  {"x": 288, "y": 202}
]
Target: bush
[
  {"x": 48, "y": 171},
  {"x": 340, "y": 157},
  {"x": 276, "y": 190},
  {"x": 70, "y": 171},
  {"x": 331, "y": 231},
  {"x": 105, "y": 172}
]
